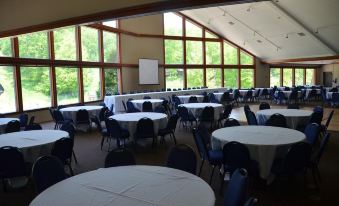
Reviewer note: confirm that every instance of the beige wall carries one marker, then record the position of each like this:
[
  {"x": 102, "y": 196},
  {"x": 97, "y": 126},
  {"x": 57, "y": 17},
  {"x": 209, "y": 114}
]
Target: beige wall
[
  {"x": 134, "y": 48},
  {"x": 334, "y": 68},
  {"x": 262, "y": 74}
]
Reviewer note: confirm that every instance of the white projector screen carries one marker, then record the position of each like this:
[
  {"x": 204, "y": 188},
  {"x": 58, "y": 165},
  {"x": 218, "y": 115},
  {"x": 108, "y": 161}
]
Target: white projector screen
[{"x": 148, "y": 71}]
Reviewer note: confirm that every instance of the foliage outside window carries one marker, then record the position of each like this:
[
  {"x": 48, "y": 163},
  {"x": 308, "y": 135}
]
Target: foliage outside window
[
  {"x": 91, "y": 79},
  {"x": 310, "y": 77},
  {"x": 5, "y": 47},
  {"x": 174, "y": 78},
  {"x": 193, "y": 30},
  {"x": 35, "y": 85},
  {"x": 7, "y": 98},
  {"x": 231, "y": 78},
  {"x": 90, "y": 44},
  {"x": 213, "y": 78},
  {"x": 287, "y": 77},
  {"x": 246, "y": 59},
  {"x": 195, "y": 77},
  {"x": 230, "y": 54},
  {"x": 247, "y": 78},
  {"x": 34, "y": 45},
  {"x": 194, "y": 52},
  {"x": 172, "y": 24},
  {"x": 213, "y": 53},
  {"x": 299, "y": 77},
  {"x": 275, "y": 77},
  {"x": 67, "y": 85},
  {"x": 111, "y": 81},
  {"x": 110, "y": 47},
  {"x": 173, "y": 52},
  {"x": 64, "y": 44}
]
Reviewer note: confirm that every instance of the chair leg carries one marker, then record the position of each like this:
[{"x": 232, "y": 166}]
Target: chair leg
[
  {"x": 75, "y": 158},
  {"x": 222, "y": 183},
  {"x": 202, "y": 164},
  {"x": 102, "y": 141},
  {"x": 174, "y": 139},
  {"x": 70, "y": 169},
  {"x": 212, "y": 174}
]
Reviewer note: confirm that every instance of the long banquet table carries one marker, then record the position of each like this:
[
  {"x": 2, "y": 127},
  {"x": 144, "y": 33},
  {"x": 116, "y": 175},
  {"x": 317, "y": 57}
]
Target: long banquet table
[{"x": 116, "y": 100}]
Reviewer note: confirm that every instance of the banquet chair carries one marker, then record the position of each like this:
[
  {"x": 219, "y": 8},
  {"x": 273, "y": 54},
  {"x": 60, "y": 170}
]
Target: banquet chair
[
  {"x": 276, "y": 120},
  {"x": 115, "y": 131},
  {"x": 293, "y": 97},
  {"x": 251, "y": 118},
  {"x": 147, "y": 106},
  {"x": 248, "y": 96},
  {"x": 119, "y": 157},
  {"x": 145, "y": 130},
  {"x": 47, "y": 171},
  {"x": 63, "y": 149},
  {"x": 160, "y": 109},
  {"x": 31, "y": 120},
  {"x": 293, "y": 106},
  {"x": 323, "y": 127},
  {"x": 265, "y": 94},
  {"x": 170, "y": 129},
  {"x": 226, "y": 98},
  {"x": 193, "y": 99},
  {"x": 131, "y": 108},
  {"x": 23, "y": 119},
  {"x": 214, "y": 157},
  {"x": 68, "y": 127},
  {"x": 316, "y": 117},
  {"x": 212, "y": 98},
  {"x": 124, "y": 105},
  {"x": 12, "y": 126},
  {"x": 281, "y": 97},
  {"x": 186, "y": 116},
  {"x": 264, "y": 105},
  {"x": 335, "y": 99},
  {"x": 34, "y": 126},
  {"x": 182, "y": 157},
  {"x": 251, "y": 201},
  {"x": 256, "y": 95},
  {"x": 225, "y": 115},
  {"x": 103, "y": 131},
  {"x": 206, "y": 99},
  {"x": 82, "y": 117},
  {"x": 103, "y": 114},
  {"x": 207, "y": 115},
  {"x": 230, "y": 122},
  {"x": 147, "y": 97},
  {"x": 312, "y": 131},
  {"x": 12, "y": 165},
  {"x": 59, "y": 118},
  {"x": 235, "y": 194}
]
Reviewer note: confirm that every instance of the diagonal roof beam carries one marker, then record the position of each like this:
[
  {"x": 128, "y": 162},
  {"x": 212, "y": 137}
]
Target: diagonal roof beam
[{"x": 297, "y": 22}]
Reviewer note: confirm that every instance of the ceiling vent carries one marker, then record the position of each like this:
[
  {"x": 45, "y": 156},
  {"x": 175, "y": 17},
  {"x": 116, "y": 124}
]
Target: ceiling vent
[
  {"x": 301, "y": 34},
  {"x": 231, "y": 23}
]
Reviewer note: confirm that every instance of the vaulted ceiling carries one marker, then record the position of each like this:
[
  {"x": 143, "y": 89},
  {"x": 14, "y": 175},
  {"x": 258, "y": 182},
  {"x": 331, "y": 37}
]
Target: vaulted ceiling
[{"x": 279, "y": 29}]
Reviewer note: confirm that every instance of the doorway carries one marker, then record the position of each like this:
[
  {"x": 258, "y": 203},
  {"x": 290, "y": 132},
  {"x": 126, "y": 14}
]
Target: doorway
[{"x": 327, "y": 79}]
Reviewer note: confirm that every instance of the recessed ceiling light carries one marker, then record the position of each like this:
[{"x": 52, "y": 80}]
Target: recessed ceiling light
[
  {"x": 231, "y": 23},
  {"x": 259, "y": 41},
  {"x": 301, "y": 34}
]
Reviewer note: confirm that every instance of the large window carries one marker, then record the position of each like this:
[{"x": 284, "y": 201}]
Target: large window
[
  {"x": 213, "y": 53},
  {"x": 299, "y": 77},
  {"x": 110, "y": 47},
  {"x": 35, "y": 85},
  {"x": 310, "y": 77},
  {"x": 195, "y": 77},
  {"x": 193, "y": 30},
  {"x": 231, "y": 78},
  {"x": 5, "y": 47},
  {"x": 173, "y": 52},
  {"x": 91, "y": 78},
  {"x": 174, "y": 78},
  {"x": 90, "y": 44},
  {"x": 194, "y": 52},
  {"x": 172, "y": 24},
  {"x": 64, "y": 44},
  {"x": 7, "y": 85},
  {"x": 246, "y": 59},
  {"x": 67, "y": 85},
  {"x": 287, "y": 77},
  {"x": 213, "y": 78},
  {"x": 275, "y": 77},
  {"x": 230, "y": 54},
  {"x": 34, "y": 45},
  {"x": 247, "y": 78},
  {"x": 111, "y": 81}
]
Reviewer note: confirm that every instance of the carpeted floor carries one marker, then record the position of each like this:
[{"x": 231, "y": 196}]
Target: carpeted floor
[{"x": 292, "y": 192}]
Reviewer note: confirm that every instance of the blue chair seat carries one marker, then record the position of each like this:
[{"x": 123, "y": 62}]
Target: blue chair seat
[{"x": 216, "y": 157}]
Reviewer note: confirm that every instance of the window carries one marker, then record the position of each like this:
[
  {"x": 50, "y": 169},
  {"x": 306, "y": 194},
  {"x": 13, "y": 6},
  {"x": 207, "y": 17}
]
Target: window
[
  {"x": 7, "y": 97},
  {"x": 210, "y": 35},
  {"x": 34, "y": 45},
  {"x": 172, "y": 24},
  {"x": 67, "y": 85},
  {"x": 213, "y": 55},
  {"x": 213, "y": 78},
  {"x": 247, "y": 78},
  {"x": 231, "y": 78},
  {"x": 246, "y": 59},
  {"x": 110, "y": 23},
  {"x": 230, "y": 54},
  {"x": 64, "y": 44},
  {"x": 299, "y": 77},
  {"x": 5, "y": 47},
  {"x": 173, "y": 52},
  {"x": 195, "y": 77},
  {"x": 89, "y": 44},
  {"x": 174, "y": 78},
  {"x": 36, "y": 89},
  {"x": 110, "y": 47},
  {"x": 287, "y": 77},
  {"x": 194, "y": 52},
  {"x": 275, "y": 77},
  {"x": 193, "y": 30},
  {"x": 111, "y": 81},
  {"x": 310, "y": 77},
  {"x": 91, "y": 79}
]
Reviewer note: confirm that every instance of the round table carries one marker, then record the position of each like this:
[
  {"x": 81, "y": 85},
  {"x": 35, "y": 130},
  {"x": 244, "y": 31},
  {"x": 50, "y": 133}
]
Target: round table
[
  {"x": 293, "y": 116},
  {"x": 155, "y": 102},
  {"x": 3, "y": 123},
  {"x": 184, "y": 98},
  {"x": 196, "y": 108},
  {"x": 262, "y": 142},
  {"x": 129, "y": 120},
  {"x": 129, "y": 185},
  {"x": 34, "y": 143},
  {"x": 70, "y": 112}
]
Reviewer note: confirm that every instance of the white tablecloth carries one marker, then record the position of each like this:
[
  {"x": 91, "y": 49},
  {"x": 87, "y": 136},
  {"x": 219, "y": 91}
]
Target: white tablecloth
[
  {"x": 117, "y": 99},
  {"x": 3, "y": 123},
  {"x": 262, "y": 142},
  {"x": 184, "y": 98},
  {"x": 329, "y": 95},
  {"x": 196, "y": 108},
  {"x": 129, "y": 120},
  {"x": 70, "y": 112},
  {"x": 293, "y": 116},
  {"x": 129, "y": 186},
  {"x": 33, "y": 144},
  {"x": 155, "y": 102}
]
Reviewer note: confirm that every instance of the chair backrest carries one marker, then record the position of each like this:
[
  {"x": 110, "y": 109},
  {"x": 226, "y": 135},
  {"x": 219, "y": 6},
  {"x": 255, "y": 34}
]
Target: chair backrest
[
  {"x": 183, "y": 112},
  {"x": 193, "y": 99},
  {"x": 230, "y": 122},
  {"x": 147, "y": 106},
  {"x": 119, "y": 157},
  {"x": 12, "y": 126},
  {"x": 293, "y": 106},
  {"x": 131, "y": 108},
  {"x": 68, "y": 127},
  {"x": 124, "y": 104},
  {"x": 322, "y": 147},
  {"x": 82, "y": 116},
  {"x": 200, "y": 143},
  {"x": 145, "y": 128},
  {"x": 312, "y": 131},
  {"x": 276, "y": 120},
  {"x": 58, "y": 116},
  {"x": 31, "y": 120},
  {"x": 172, "y": 122},
  {"x": 207, "y": 114},
  {"x": 113, "y": 128},
  {"x": 265, "y": 91},
  {"x": 225, "y": 97},
  {"x": 246, "y": 108},
  {"x": 12, "y": 162},
  {"x": 23, "y": 119},
  {"x": 62, "y": 149},
  {"x": 251, "y": 118},
  {"x": 34, "y": 126},
  {"x": 97, "y": 123},
  {"x": 47, "y": 171},
  {"x": 257, "y": 92},
  {"x": 103, "y": 114},
  {"x": 264, "y": 105},
  {"x": 293, "y": 95},
  {"x": 235, "y": 194},
  {"x": 160, "y": 109},
  {"x": 297, "y": 158},
  {"x": 316, "y": 117},
  {"x": 182, "y": 157},
  {"x": 249, "y": 94},
  {"x": 147, "y": 97},
  {"x": 235, "y": 156}
]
